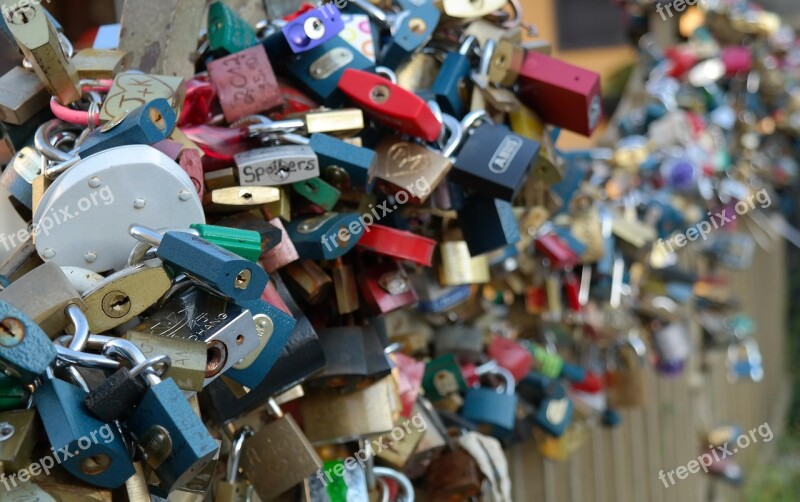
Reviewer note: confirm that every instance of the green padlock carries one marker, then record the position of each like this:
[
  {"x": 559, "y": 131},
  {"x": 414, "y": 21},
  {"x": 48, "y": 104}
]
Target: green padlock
[
  {"x": 318, "y": 191},
  {"x": 245, "y": 243},
  {"x": 227, "y": 31},
  {"x": 12, "y": 395}
]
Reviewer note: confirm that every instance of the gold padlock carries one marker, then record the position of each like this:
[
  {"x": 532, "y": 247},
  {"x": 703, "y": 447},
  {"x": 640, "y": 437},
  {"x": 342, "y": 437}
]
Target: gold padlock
[{"x": 458, "y": 267}]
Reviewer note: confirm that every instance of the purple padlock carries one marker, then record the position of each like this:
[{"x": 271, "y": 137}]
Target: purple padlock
[{"x": 313, "y": 28}]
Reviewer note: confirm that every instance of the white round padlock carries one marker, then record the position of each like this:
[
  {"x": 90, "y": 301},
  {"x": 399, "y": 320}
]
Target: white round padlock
[{"x": 82, "y": 219}]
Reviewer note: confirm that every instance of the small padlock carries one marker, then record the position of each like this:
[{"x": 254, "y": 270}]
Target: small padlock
[
  {"x": 313, "y": 28},
  {"x": 443, "y": 377},
  {"x": 243, "y": 242},
  {"x": 327, "y": 236},
  {"x": 496, "y": 219},
  {"x": 192, "y": 360},
  {"x": 277, "y": 165},
  {"x": 23, "y": 96},
  {"x": 308, "y": 281},
  {"x": 104, "y": 463},
  {"x": 227, "y": 32},
  {"x": 387, "y": 287},
  {"x": 233, "y": 489},
  {"x": 25, "y": 350},
  {"x": 208, "y": 264},
  {"x": 131, "y": 90},
  {"x": 450, "y": 83},
  {"x": 491, "y": 407}
]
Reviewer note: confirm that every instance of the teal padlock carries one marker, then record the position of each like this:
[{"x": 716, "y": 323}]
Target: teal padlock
[
  {"x": 89, "y": 449},
  {"x": 492, "y": 408},
  {"x": 25, "y": 350},
  {"x": 227, "y": 32}
]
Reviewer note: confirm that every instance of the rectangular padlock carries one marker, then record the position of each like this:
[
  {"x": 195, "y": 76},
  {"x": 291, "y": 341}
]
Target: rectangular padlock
[
  {"x": 101, "y": 63},
  {"x": 245, "y": 243},
  {"x": 192, "y": 361},
  {"x": 458, "y": 267},
  {"x": 562, "y": 94},
  {"x": 38, "y": 40},
  {"x": 401, "y": 166},
  {"x": 313, "y": 28},
  {"x": 307, "y": 280},
  {"x": 132, "y": 90},
  {"x": 227, "y": 31},
  {"x": 278, "y": 165},
  {"x": 22, "y": 96},
  {"x": 245, "y": 83}
]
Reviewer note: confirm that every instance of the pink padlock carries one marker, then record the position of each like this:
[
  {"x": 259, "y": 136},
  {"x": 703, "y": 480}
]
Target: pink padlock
[{"x": 737, "y": 59}]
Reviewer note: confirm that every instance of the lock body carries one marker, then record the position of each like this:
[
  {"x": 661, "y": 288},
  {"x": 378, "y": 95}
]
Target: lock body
[{"x": 25, "y": 350}]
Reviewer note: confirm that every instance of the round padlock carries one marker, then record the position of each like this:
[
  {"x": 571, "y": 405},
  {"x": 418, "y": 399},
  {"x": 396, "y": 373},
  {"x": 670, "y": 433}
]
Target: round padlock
[{"x": 83, "y": 218}]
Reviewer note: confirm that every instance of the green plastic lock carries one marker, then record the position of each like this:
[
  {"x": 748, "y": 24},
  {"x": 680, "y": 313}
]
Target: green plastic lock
[
  {"x": 318, "y": 191},
  {"x": 227, "y": 31},
  {"x": 245, "y": 243}
]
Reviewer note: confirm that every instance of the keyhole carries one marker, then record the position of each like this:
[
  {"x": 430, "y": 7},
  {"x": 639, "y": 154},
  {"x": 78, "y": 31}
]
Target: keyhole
[
  {"x": 418, "y": 25},
  {"x": 157, "y": 119},
  {"x": 243, "y": 279},
  {"x": 95, "y": 465},
  {"x": 6, "y": 431},
  {"x": 116, "y": 304},
  {"x": 245, "y": 195},
  {"x": 12, "y": 332},
  {"x": 21, "y": 15},
  {"x": 380, "y": 94},
  {"x": 216, "y": 356},
  {"x": 311, "y": 187}
]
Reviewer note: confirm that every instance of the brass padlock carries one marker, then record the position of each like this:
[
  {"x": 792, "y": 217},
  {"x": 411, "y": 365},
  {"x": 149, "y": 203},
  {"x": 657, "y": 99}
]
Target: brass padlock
[
  {"x": 192, "y": 360},
  {"x": 458, "y": 267},
  {"x": 22, "y": 96}
]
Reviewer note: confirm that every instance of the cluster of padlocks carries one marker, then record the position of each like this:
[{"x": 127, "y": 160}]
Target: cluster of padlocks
[{"x": 335, "y": 252}]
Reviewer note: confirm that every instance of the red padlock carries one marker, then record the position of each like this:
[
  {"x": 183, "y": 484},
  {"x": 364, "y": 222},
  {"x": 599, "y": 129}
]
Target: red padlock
[
  {"x": 200, "y": 94},
  {"x": 398, "y": 244},
  {"x": 683, "y": 59},
  {"x": 409, "y": 380},
  {"x": 390, "y": 104},
  {"x": 557, "y": 251},
  {"x": 192, "y": 162},
  {"x": 737, "y": 59},
  {"x": 561, "y": 94},
  {"x": 511, "y": 356},
  {"x": 386, "y": 287}
]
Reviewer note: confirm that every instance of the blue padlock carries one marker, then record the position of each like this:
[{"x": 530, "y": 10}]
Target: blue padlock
[
  {"x": 176, "y": 443},
  {"x": 150, "y": 123},
  {"x": 25, "y": 350},
  {"x": 314, "y": 28},
  {"x": 554, "y": 409},
  {"x": 282, "y": 325},
  {"x": 325, "y": 237},
  {"x": 318, "y": 71},
  {"x": 87, "y": 448},
  {"x": 411, "y": 30},
  {"x": 487, "y": 224},
  {"x": 449, "y": 84},
  {"x": 225, "y": 273},
  {"x": 496, "y": 409}
]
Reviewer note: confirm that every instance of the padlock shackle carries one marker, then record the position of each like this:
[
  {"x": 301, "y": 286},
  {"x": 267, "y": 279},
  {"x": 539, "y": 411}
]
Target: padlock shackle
[
  {"x": 237, "y": 446},
  {"x": 405, "y": 484},
  {"x": 81, "y": 324},
  {"x": 145, "y": 235}
]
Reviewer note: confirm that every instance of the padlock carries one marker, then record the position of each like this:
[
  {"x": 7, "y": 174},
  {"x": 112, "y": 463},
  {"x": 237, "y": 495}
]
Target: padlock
[
  {"x": 227, "y": 32},
  {"x": 408, "y": 168},
  {"x": 562, "y": 94},
  {"x": 173, "y": 439},
  {"x": 101, "y": 63},
  {"x": 233, "y": 489},
  {"x": 243, "y": 242},
  {"x": 192, "y": 360},
  {"x": 211, "y": 266},
  {"x": 472, "y": 10},
  {"x": 390, "y": 105},
  {"x": 458, "y": 267},
  {"x": 274, "y": 328},
  {"x": 554, "y": 409},
  {"x": 496, "y": 171},
  {"x": 44, "y": 295},
  {"x": 318, "y": 192},
  {"x": 18, "y": 179},
  {"x": 283, "y": 253},
  {"x": 25, "y": 350},
  {"x": 339, "y": 159},
  {"x": 344, "y": 287},
  {"x": 625, "y": 375},
  {"x": 387, "y": 287},
  {"x": 105, "y": 464},
  {"x": 492, "y": 408},
  {"x": 124, "y": 295},
  {"x": 463, "y": 341},
  {"x": 455, "y": 475},
  {"x": 40, "y": 44},
  {"x": 270, "y": 235},
  {"x": 313, "y": 28},
  {"x": 351, "y": 485},
  {"x": 443, "y": 377},
  {"x": 450, "y": 84},
  {"x": 279, "y": 456},
  {"x": 500, "y": 227},
  {"x": 506, "y": 62},
  {"x": 319, "y": 70},
  {"x": 19, "y": 430},
  {"x": 345, "y": 356},
  {"x": 398, "y": 244},
  {"x": 245, "y": 83},
  {"x": 307, "y": 280},
  {"x": 485, "y": 95},
  {"x": 410, "y": 33},
  {"x": 131, "y": 90},
  {"x": 329, "y": 417},
  {"x": 511, "y": 356},
  {"x": 162, "y": 36},
  {"x": 23, "y": 96},
  {"x": 327, "y": 236},
  {"x": 277, "y": 165},
  {"x": 240, "y": 198},
  {"x": 146, "y": 125},
  {"x": 12, "y": 394}
]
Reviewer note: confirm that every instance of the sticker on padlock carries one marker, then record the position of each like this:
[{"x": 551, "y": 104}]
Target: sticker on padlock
[
  {"x": 132, "y": 90},
  {"x": 278, "y": 165}
]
